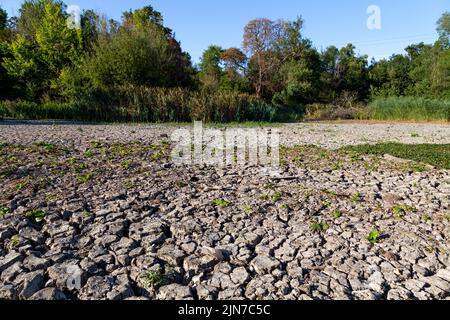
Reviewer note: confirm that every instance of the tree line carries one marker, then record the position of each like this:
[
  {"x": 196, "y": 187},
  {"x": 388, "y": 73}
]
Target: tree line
[{"x": 44, "y": 60}]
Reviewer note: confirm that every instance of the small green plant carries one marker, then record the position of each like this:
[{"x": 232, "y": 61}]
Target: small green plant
[
  {"x": 248, "y": 210},
  {"x": 21, "y": 185},
  {"x": 4, "y": 211},
  {"x": 152, "y": 279},
  {"x": 83, "y": 178},
  {"x": 37, "y": 215},
  {"x": 357, "y": 197},
  {"x": 308, "y": 194},
  {"x": 220, "y": 203},
  {"x": 447, "y": 217},
  {"x": 276, "y": 196},
  {"x": 336, "y": 214},
  {"x": 319, "y": 226},
  {"x": 96, "y": 144},
  {"x": 285, "y": 206},
  {"x": 86, "y": 214},
  {"x": 326, "y": 204},
  {"x": 48, "y": 147},
  {"x": 336, "y": 166},
  {"x": 126, "y": 164},
  {"x": 15, "y": 241},
  {"x": 89, "y": 154},
  {"x": 71, "y": 161},
  {"x": 329, "y": 192},
  {"x": 427, "y": 218},
  {"x": 52, "y": 197},
  {"x": 264, "y": 197},
  {"x": 181, "y": 184},
  {"x": 375, "y": 236},
  {"x": 399, "y": 211},
  {"x": 11, "y": 158}
]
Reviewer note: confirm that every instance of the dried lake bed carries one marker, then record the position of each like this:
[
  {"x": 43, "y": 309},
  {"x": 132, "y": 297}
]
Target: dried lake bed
[{"x": 101, "y": 212}]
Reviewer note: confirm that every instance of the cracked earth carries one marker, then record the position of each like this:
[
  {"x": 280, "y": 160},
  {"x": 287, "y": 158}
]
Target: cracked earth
[{"x": 101, "y": 212}]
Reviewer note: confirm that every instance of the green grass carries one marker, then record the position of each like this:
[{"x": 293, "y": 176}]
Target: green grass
[
  {"x": 36, "y": 215},
  {"x": 336, "y": 214},
  {"x": 435, "y": 155},
  {"x": 152, "y": 279},
  {"x": 319, "y": 226},
  {"x": 410, "y": 108},
  {"x": 220, "y": 203},
  {"x": 400, "y": 211},
  {"x": 4, "y": 211},
  {"x": 276, "y": 196},
  {"x": 375, "y": 236}
]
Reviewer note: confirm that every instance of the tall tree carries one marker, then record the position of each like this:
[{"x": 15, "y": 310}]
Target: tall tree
[
  {"x": 137, "y": 51},
  {"x": 210, "y": 70},
  {"x": 43, "y": 47},
  {"x": 260, "y": 37},
  {"x": 443, "y": 28}
]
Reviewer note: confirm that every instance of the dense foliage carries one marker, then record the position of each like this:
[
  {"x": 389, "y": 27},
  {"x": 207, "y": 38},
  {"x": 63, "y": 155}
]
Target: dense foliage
[{"x": 135, "y": 69}]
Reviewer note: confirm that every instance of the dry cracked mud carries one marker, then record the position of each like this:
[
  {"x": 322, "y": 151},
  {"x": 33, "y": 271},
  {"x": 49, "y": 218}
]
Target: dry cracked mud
[{"x": 101, "y": 212}]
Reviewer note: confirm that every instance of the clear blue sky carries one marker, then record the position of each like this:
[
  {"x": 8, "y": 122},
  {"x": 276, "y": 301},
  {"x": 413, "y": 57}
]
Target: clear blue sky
[{"x": 199, "y": 23}]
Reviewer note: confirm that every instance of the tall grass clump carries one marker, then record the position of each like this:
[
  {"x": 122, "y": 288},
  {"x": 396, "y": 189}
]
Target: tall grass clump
[
  {"x": 410, "y": 108},
  {"x": 146, "y": 104}
]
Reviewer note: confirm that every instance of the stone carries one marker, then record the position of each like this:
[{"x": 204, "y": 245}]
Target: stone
[
  {"x": 12, "y": 272},
  {"x": 10, "y": 259},
  {"x": 48, "y": 294},
  {"x": 263, "y": 264},
  {"x": 399, "y": 294},
  {"x": 97, "y": 287},
  {"x": 125, "y": 244},
  {"x": 205, "y": 292},
  {"x": 33, "y": 235},
  {"x": 174, "y": 292},
  {"x": 7, "y": 233},
  {"x": 120, "y": 292},
  {"x": 239, "y": 275},
  {"x": 171, "y": 255},
  {"x": 34, "y": 263},
  {"x": 8, "y": 292},
  {"x": 32, "y": 283}
]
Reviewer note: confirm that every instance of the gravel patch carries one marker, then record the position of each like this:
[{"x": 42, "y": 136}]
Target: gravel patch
[
  {"x": 335, "y": 135},
  {"x": 100, "y": 212}
]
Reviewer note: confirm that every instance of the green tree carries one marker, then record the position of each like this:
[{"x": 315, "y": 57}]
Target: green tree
[
  {"x": 390, "y": 77},
  {"x": 5, "y": 35},
  {"x": 43, "y": 47},
  {"x": 211, "y": 72},
  {"x": 3, "y": 19},
  {"x": 139, "y": 51},
  {"x": 235, "y": 68},
  {"x": 58, "y": 45},
  {"x": 443, "y": 28},
  {"x": 24, "y": 66},
  {"x": 90, "y": 29},
  {"x": 30, "y": 17}
]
